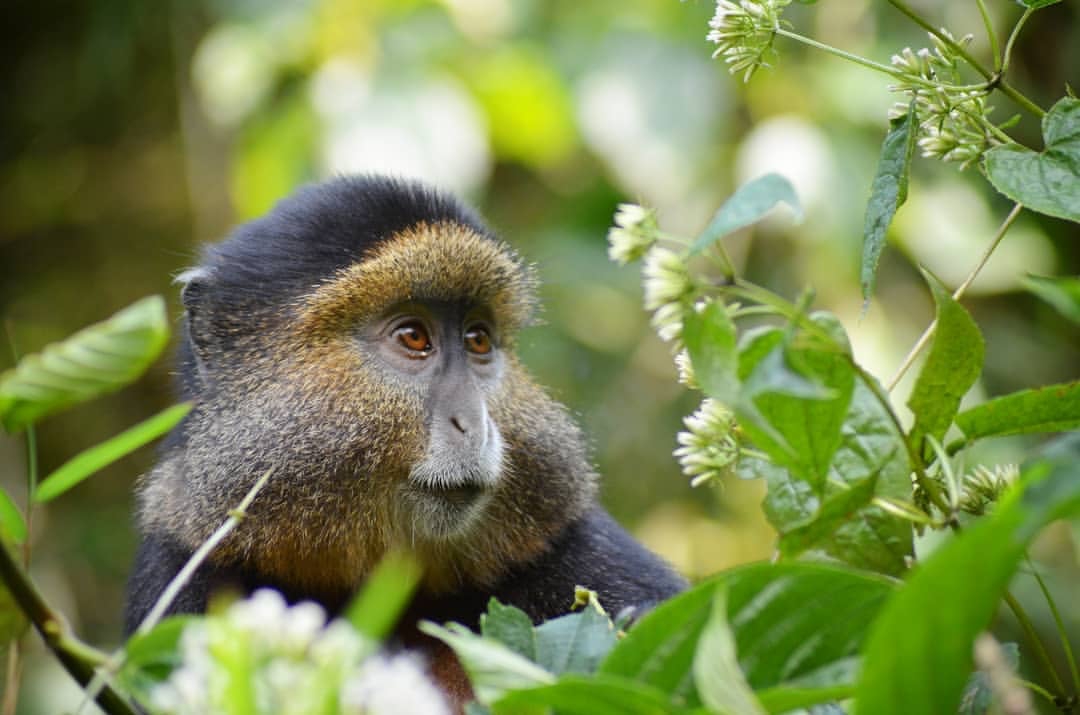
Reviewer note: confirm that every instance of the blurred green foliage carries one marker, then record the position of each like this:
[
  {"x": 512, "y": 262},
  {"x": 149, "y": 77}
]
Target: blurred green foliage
[{"x": 135, "y": 131}]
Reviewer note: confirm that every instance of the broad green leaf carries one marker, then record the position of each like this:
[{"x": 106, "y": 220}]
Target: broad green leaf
[
  {"x": 794, "y": 398},
  {"x": 493, "y": 669},
  {"x": 818, "y": 701},
  {"x": 919, "y": 653},
  {"x": 1053, "y": 408},
  {"x": 92, "y": 362},
  {"x": 797, "y": 626},
  {"x": 709, "y": 335},
  {"x": 951, "y": 368},
  {"x": 887, "y": 193},
  {"x": 1063, "y": 293},
  {"x": 576, "y": 695},
  {"x": 748, "y": 205},
  {"x": 12, "y": 524},
  {"x": 574, "y": 643},
  {"x": 510, "y": 626},
  {"x": 978, "y": 694},
  {"x": 96, "y": 458},
  {"x": 719, "y": 679},
  {"x": 386, "y": 594},
  {"x": 1047, "y": 182}
]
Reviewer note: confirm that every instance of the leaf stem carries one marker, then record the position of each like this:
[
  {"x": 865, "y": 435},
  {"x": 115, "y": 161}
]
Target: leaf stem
[
  {"x": 1012, "y": 38},
  {"x": 995, "y": 47},
  {"x": 957, "y": 294},
  {"x": 1063, "y": 633},
  {"x": 857, "y": 59},
  {"x": 1038, "y": 690},
  {"x": 78, "y": 658},
  {"x": 1036, "y": 643}
]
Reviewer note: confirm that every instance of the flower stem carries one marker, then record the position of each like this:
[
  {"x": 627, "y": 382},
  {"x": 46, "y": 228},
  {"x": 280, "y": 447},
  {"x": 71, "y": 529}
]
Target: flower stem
[
  {"x": 959, "y": 293},
  {"x": 1063, "y": 634},
  {"x": 857, "y": 59},
  {"x": 1036, "y": 643},
  {"x": 995, "y": 47},
  {"x": 1012, "y": 38}
]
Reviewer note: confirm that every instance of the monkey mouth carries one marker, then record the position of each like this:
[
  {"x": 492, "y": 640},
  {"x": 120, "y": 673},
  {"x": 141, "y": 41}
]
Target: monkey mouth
[
  {"x": 442, "y": 511},
  {"x": 460, "y": 496}
]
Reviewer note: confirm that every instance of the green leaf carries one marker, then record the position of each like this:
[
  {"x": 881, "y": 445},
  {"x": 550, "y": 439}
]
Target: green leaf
[
  {"x": 574, "y": 643},
  {"x": 1047, "y": 182},
  {"x": 1053, "y": 408},
  {"x": 96, "y": 458},
  {"x": 149, "y": 658},
  {"x": 1063, "y": 293},
  {"x": 92, "y": 362},
  {"x": 493, "y": 669},
  {"x": 719, "y": 679},
  {"x": 1037, "y": 4},
  {"x": 13, "y": 622},
  {"x": 709, "y": 335},
  {"x": 510, "y": 626},
  {"x": 575, "y": 695},
  {"x": 797, "y": 626},
  {"x": 978, "y": 694},
  {"x": 12, "y": 524},
  {"x": 386, "y": 594},
  {"x": 919, "y": 653},
  {"x": 748, "y": 205},
  {"x": 951, "y": 368},
  {"x": 887, "y": 193}
]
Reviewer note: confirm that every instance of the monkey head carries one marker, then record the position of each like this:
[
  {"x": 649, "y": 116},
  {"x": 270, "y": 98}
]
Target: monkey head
[{"x": 358, "y": 341}]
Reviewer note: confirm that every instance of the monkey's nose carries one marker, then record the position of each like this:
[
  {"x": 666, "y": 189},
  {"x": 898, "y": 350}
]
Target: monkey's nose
[{"x": 460, "y": 424}]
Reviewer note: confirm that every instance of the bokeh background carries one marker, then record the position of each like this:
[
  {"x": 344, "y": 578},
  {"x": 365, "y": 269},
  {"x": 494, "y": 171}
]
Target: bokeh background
[{"x": 134, "y": 131}]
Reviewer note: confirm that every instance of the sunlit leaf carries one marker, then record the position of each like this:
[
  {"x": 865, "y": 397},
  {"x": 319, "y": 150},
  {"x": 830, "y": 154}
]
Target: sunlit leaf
[
  {"x": 92, "y": 362},
  {"x": 99, "y": 456},
  {"x": 720, "y": 682},
  {"x": 1053, "y": 408},
  {"x": 1047, "y": 181},
  {"x": 748, "y": 205},
  {"x": 952, "y": 366},
  {"x": 12, "y": 524},
  {"x": 919, "y": 653},
  {"x": 1062, "y": 292},
  {"x": 709, "y": 336},
  {"x": 386, "y": 594},
  {"x": 887, "y": 193}
]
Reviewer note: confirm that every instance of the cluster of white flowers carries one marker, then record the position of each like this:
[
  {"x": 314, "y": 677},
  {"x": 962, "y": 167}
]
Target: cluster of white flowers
[
  {"x": 287, "y": 660},
  {"x": 669, "y": 291},
  {"x": 984, "y": 486},
  {"x": 708, "y": 450},
  {"x": 953, "y": 124},
  {"x": 744, "y": 32},
  {"x": 634, "y": 233}
]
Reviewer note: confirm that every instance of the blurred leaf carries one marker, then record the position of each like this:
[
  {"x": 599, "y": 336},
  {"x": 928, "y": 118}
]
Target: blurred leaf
[
  {"x": 887, "y": 193},
  {"x": 528, "y": 106},
  {"x": 709, "y": 335},
  {"x": 978, "y": 694},
  {"x": 493, "y": 668},
  {"x": 1045, "y": 182},
  {"x": 1036, "y": 4},
  {"x": 1062, "y": 292},
  {"x": 576, "y": 642},
  {"x": 94, "y": 459},
  {"x": 12, "y": 524},
  {"x": 748, "y": 205},
  {"x": 92, "y": 362},
  {"x": 273, "y": 156},
  {"x": 510, "y": 626},
  {"x": 1053, "y": 408},
  {"x": 576, "y": 695},
  {"x": 719, "y": 679},
  {"x": 149, "y": 658},
  {"x": 13, "y": 622},
  {"x": 797, "y": 627},
  {"x": 919, "y": 653},
  {"x": 385, "y": 596},
  {"x": 951, "y": 368}
]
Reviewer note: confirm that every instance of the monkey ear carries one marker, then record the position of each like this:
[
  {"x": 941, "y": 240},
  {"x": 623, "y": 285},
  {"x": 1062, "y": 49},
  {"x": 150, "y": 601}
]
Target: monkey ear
[{"x": 195, "y": 295}]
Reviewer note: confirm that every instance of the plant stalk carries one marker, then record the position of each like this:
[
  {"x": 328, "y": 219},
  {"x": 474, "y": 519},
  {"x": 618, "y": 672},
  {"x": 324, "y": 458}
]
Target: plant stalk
[
  {"x": 1036, "y": 643},
  {"x": 1063, "y": 633}
]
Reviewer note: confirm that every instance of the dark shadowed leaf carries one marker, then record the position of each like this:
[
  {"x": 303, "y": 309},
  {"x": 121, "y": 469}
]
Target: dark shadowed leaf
[
  {"x": 951, "y": 368},
  {"x": 748, "y": 205},
  {"x": 919, "y": 654},
  {"x": 1054, "y": 408},
  {"x": 887, "y": 193},
  {"x": 92, "y": 362},
  {"x": 1062, "y": 292},
  {"x": 1047, "y": 182}
]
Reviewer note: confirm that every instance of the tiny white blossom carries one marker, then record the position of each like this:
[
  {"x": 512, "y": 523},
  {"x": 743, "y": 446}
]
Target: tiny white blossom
[
  {"x": 984, "y": 486},
  {"x": 394, "y": 685},
  {"x": 708, "y": 449},
  {"x": 744, "y": 32},
  {"x": 686, "y": 370},
  {"x": 634, "y": 233},
  {"x": 668, "y": 290}
]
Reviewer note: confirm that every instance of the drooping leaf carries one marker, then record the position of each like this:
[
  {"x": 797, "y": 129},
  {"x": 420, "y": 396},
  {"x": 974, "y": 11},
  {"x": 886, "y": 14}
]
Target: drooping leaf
[
  {"x": 576, "y": 695},
  {"x": 92, "y": 362},
  {"x": 919, "y": 653},
  {"x": 748, "y": 205},
  {"x": 386, "y": 594},
  {"x": 719, "y": 679},
  {"x": 101, "y": 455},
  {"x": 710, "y": 335},
  {"x": 12, "y": 524},
  {"x": 1062, "y": 292},
  {"x": 887, "y": 193},
  {"x": 1053, "y": 408},
  {"x": 952, "y": 366},
  {"x": 1047, "y": 181}
]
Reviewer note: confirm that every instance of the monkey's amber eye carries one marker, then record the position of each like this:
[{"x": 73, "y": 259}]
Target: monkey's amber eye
[
  {"x": 413, "y": 337},
  {"x": 478, "y": 341}
]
